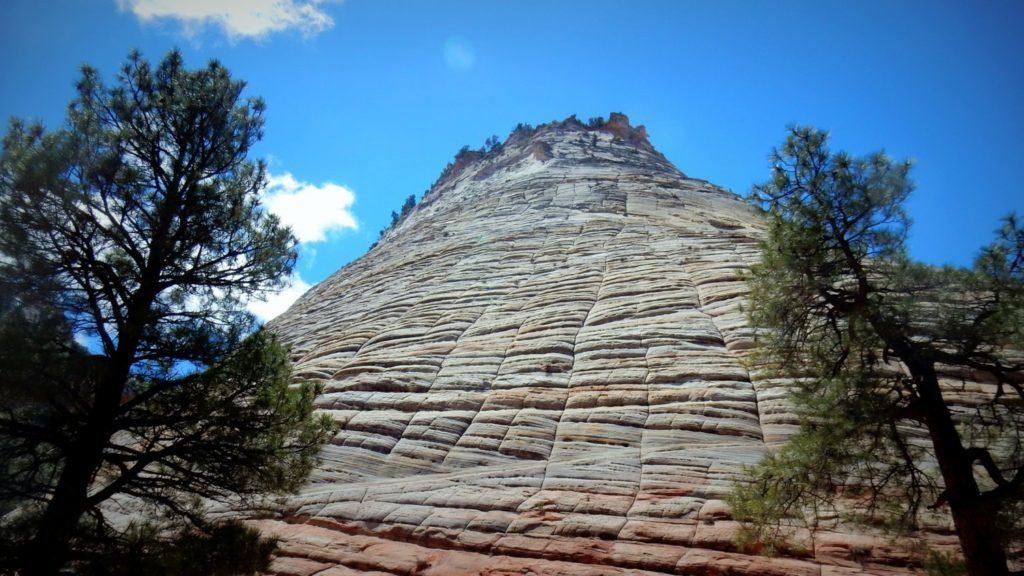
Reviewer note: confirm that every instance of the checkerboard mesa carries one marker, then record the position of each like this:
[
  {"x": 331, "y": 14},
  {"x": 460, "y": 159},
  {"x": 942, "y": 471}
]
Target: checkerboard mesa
[{"x": 540, "y": 369}]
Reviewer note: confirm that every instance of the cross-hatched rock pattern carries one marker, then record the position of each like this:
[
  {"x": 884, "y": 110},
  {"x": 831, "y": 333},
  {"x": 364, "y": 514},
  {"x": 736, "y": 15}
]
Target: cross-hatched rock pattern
[{"x": 539, "y": 371}]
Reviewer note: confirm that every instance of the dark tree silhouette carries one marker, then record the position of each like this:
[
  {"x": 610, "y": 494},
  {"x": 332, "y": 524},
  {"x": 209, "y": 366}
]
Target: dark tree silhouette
[{"x": 138, "y": 226}]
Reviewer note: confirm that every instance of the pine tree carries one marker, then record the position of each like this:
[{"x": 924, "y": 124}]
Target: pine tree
[
  {"x": 875, "y": 344},
  {"x": 137, "y": 226}
]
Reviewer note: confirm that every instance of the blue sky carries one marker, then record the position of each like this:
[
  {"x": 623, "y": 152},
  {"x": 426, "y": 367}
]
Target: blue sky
[{"x": 369, "y": 99}]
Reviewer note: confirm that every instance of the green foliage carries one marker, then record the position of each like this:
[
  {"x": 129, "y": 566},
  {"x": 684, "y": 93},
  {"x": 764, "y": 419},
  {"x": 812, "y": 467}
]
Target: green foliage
[
  {"x": 522, "y": 129},
  {"x": 153, "y": 174},
  {"x": 943, "y": 564},
  {"x": 396, "y": 217},
  {"x": 226, "y": 548},
  {"x": 247, "y": 433},
  {"x": 138, "y": 226},
  {"x": 407, "y": 206},
  {"x": 37, "y": 355},
  {"x": 848, "y": 462},
  {"x": 492, "y": 144},
  {"x": 223, "y": 549},
  {"x": 861, "y": 332}
]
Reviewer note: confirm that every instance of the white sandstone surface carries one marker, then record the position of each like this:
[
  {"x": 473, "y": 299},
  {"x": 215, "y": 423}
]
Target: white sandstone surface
[{"x": 540, "y": 371}]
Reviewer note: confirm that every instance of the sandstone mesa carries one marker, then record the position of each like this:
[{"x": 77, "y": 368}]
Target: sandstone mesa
[{"x": 539, "y": 371}]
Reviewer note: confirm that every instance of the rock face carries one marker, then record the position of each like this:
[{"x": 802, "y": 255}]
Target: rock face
[{"x": 539, "y": 371}]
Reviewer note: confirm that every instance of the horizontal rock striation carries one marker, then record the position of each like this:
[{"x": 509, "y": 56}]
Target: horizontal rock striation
[{"x": 539, "y": 371}]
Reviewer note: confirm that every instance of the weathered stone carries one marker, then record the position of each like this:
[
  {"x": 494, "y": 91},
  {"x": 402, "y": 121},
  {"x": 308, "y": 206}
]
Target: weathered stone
[{"x": 540, "y": 371}]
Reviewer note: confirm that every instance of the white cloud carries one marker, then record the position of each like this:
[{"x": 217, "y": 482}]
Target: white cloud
[
  {"x": 459, "y": 54},
  {"x": 238, "y": 18},
  {"x": 274, "y": 304},
  {"x": 311, "y": 211}
]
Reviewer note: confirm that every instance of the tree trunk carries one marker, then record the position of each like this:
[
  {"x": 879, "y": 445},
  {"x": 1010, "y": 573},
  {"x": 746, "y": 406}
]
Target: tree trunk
[
  {"x": 974, "y": 518},
  {"x": 50, "y": 549},
  {"x": 979, "y": 539}
]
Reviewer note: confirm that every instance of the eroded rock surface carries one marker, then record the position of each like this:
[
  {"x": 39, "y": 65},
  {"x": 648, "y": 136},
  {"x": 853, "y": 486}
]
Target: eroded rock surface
[{"x": 538, "y": 371}]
